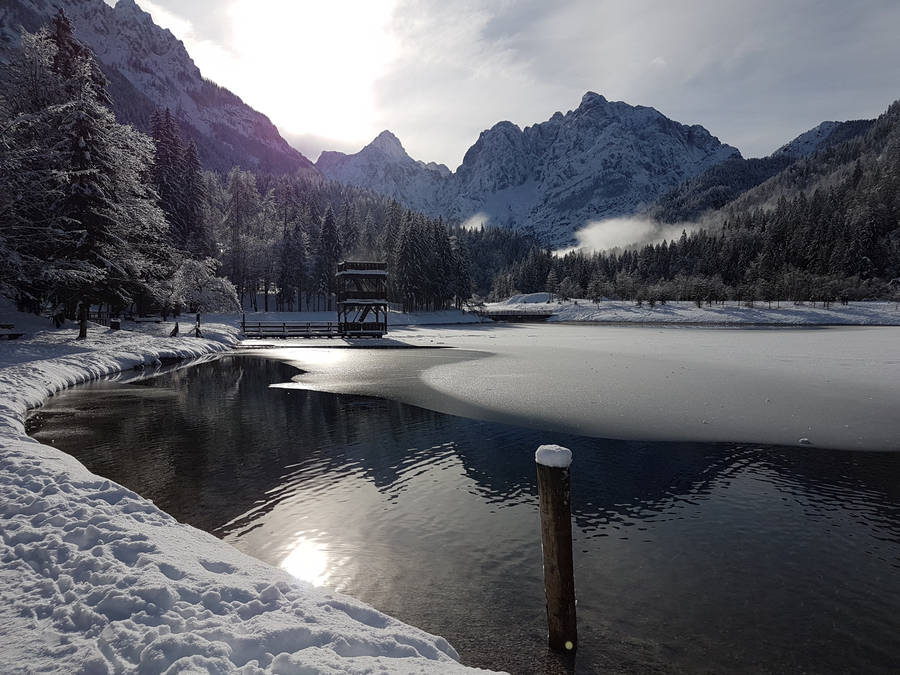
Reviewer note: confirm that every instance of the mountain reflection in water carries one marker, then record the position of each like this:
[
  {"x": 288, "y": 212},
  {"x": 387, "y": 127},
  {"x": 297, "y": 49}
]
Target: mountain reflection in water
[{"x": 689, "y": 557}]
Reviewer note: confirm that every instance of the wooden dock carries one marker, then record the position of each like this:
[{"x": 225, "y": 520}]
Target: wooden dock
[{"x": 289, "y": 329}]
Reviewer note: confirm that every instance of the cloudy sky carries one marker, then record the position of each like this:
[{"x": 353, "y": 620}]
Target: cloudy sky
[{"x": 332, "y": 74}]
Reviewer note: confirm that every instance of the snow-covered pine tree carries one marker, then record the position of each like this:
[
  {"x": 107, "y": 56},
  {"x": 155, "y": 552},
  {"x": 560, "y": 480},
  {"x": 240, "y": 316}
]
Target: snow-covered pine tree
[
  {"x": 241, "y": 213},
  {"x": 74, "y": 61},
  {"x": 387, "y": 238},
  {"x": 109, "y": 204},
  {"x": 293, "y": 265},
  {"x": 438, "y": 277},
  {"x": 461, "y": 280},
  {"x": 168, "y": 172},
  {"x": 196, "y": 240},
  {"x": 96, "y": 231},
  {"x": 409, "y": 270},
  {"x": 349, "y": 227},
  {"x": 328, "y": 253},
  {"x": 32, "y": 178}
]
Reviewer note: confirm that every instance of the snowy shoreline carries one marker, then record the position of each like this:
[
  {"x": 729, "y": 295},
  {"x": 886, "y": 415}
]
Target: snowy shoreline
[
  {"x": 96, "y": 578},
  {"x": 868, "y": 313}
]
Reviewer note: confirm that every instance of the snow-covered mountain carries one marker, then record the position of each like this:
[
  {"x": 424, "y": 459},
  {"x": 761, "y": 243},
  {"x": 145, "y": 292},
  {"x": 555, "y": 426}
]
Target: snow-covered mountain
[
  {"x": 822, "y": 136},
  {"x": 808, "y": 142},
  {"x": 148, "y": 68},
  {"x": 384, "y": 167},
  {"x": 602, "y": 159}
]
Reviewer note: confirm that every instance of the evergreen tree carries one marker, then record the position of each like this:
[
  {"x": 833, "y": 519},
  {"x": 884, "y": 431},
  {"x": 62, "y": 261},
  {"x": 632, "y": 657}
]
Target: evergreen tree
[
  {"x": 328, "y": 254},
  {"x": 99, "y": 229},
  {"x": 193, "y": 236},
  {"x": 240, "y": 217},
  {"x": 168, "y": 173}
]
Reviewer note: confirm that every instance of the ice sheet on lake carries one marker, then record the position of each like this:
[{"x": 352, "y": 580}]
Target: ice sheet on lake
[{"x": 835, "y": 387}]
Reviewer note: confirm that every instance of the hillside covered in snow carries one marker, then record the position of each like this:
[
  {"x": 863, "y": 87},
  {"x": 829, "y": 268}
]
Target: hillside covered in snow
[{"x": 150, "y": 68}]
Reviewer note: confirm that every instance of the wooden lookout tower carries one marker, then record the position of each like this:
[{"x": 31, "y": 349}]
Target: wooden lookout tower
[{"x": 362, "y": 298}]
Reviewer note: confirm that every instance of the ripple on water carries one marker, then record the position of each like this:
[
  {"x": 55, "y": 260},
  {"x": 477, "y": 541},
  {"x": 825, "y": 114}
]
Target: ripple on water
[{"x": 704, "y": 558}]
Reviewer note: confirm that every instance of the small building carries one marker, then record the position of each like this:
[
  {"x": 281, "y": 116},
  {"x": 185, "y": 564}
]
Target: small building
[{"x": 362, "y": 298}]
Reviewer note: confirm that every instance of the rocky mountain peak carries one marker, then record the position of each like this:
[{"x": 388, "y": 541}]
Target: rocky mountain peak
[
  {"x": 591, "y": 98},
  {"x": 389, "y": 144},
  {"x": 126, "y": 7}
]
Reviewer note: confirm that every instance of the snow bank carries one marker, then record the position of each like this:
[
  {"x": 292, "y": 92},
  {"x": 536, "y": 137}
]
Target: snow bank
[
  {"x": 616, "y": 311},
  {"x": 95, "y": 578},
  {"x": 553, "y": 455},
  {"x": 526, "y": 299}
]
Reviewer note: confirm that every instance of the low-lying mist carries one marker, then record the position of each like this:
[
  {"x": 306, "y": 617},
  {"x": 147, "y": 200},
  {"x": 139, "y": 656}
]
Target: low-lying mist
[
  {"x": 475, "y": 222},
  {"x": 625, "y": 232}
]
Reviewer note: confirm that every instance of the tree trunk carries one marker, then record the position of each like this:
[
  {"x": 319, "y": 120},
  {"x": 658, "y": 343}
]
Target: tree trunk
[{"x": 82, "y": 321}]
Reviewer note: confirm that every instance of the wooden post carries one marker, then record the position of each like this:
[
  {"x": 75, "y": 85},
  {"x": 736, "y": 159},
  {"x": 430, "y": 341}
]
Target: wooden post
[{"x": 556, "y": 537}]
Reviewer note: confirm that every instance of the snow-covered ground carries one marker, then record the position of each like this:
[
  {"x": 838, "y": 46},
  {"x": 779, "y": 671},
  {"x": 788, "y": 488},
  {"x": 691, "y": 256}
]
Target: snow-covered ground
[
  {"x": 96, "y": 579},
  {"x": 785, "y": 312}
]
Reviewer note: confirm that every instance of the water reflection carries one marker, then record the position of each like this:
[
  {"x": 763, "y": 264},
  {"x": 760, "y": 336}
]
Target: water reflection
[
  {"x": 307, "y": 561},
  {"x": 688, "y": 557}
]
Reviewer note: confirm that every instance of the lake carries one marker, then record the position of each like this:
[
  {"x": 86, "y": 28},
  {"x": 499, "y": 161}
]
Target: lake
[{"x": 690, "y": 555}]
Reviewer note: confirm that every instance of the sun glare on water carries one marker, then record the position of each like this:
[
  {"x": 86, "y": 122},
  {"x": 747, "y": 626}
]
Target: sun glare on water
[{"x": 307, "y": 561}]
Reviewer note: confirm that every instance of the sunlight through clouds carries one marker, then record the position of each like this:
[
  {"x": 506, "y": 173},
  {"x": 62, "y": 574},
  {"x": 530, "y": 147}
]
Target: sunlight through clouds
[
  {"x": 311, "y": 67},
  {"x": 314, "y": 69}
]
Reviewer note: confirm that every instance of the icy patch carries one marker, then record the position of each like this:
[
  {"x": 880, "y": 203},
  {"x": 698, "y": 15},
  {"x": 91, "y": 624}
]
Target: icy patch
[{"x": 553, "y": 455}]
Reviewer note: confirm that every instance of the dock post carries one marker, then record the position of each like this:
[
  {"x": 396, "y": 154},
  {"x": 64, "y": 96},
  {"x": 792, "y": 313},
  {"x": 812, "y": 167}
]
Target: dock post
[{"x": 553, "y": 464}]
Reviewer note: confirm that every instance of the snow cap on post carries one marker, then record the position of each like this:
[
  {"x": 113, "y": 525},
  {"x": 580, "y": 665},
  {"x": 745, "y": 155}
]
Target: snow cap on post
[{"x": 553, "y": 455}]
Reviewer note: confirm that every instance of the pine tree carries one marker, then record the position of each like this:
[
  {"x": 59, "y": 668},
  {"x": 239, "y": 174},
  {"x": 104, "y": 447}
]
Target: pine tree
[
  {"x": 328, "y": 253},
  {"x": 169, "y": 173},
  {"x": 195, "y": 238},
  {"x": 241, "y": 214},
  {"x": 405, "y": 275},
  {"x": 97, "y": 229}
]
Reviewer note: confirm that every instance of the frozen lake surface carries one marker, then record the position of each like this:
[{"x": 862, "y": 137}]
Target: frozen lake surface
[
  {"x": 689, "y": 557},
  {"x": 835, "y": 387}
]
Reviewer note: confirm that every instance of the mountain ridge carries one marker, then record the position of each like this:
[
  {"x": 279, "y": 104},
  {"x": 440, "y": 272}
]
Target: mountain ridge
[
  {"x": 730, "y": 180},
  {"x": 148, "y": 68},
  {"x": 602, "y": 159}
]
